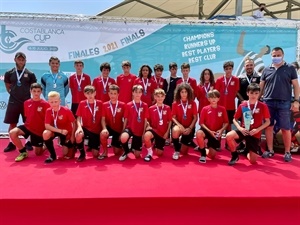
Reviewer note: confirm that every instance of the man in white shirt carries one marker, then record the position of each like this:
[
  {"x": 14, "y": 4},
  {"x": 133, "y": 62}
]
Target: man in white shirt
[{"x": 258, "y": 14}]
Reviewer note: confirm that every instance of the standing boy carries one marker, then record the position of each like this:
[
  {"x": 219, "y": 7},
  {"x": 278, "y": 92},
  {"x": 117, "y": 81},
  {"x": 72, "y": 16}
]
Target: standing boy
[
  {"x": 213, "y": 121},
  {"x": 55, "y": 80},
  {"x": 77, "y": 82},
  {"x": 157, "y": 77},
  {"x": 103, "y": 82},
  {"x": 185, "y": 70},
  {"x": 260, "y": 119},
  {"x": 59, "y": 122},
  {"x": 17, "y": 83},
  {"x": 112, "y": 121},
  {"x": 228, "y": 86},
  {"x": 88, "y": 123},
  {"x": 34, "y": 126},
  {"x": 135, "y": 121},
  {"x": 159, "y": 124},
  {"x": 125, "y": 82}
]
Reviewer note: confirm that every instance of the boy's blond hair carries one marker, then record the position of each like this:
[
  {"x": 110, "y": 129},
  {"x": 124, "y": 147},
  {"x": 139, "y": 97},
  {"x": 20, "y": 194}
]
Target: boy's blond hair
[
  {"x": 53, "y": 94},
  {"x": 213, "y": 94},
  {"x": 137, "y": 87},
  {"x": 159, "y": 91},
  {"x": 89, "y": 89}
]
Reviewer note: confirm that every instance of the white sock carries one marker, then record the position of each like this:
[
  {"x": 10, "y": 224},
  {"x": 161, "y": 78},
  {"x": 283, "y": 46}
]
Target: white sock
[{"x": 150, "y": 152}]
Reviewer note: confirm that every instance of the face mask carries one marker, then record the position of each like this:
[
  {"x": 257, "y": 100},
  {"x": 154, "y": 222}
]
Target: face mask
[{"x": 276, "y": 60}]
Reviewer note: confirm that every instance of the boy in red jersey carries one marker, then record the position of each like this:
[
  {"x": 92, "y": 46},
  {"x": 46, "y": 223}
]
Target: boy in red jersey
[
  {"x": 159, "y": 124},
  {"x": 228, "y": 86},
  {"x": 103, "y": 82},
  {"x": 184, "y": 112},
  {"x": 213, "y": 121},
  {"x": 125, "y": 82},
  {"x": 157, "y": 77},
  {"x": 59, "y": 122},
  {"x": 77, "y": 82},
  {"x": 185, "y": 70},
  {"x": 88, "y": 123},
  {"x": 260, "y": 119},
  {"x": 147, "y": 83},
  {"x": 34, "y": 111},
  {"x": 135, "y": 122},
  {"x": 112, "y": 121}
]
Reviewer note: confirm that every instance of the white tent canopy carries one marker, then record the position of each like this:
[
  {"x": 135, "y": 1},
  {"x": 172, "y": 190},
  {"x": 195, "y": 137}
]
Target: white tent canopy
[{"x": 202, "y": 9}]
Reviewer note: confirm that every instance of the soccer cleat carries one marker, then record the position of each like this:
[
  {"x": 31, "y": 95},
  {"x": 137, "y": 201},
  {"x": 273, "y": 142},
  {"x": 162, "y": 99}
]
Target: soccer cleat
[
  {"x": 287, "y": 157},
  {"x": 49, "y": 160},
  {"x": 233, "y": 160},
  {"x": 10, "y": 147},
  {"x": 21, "y": 157},
  {"x": 81, "y": 158},
  {"x": 176, "y": 155}
]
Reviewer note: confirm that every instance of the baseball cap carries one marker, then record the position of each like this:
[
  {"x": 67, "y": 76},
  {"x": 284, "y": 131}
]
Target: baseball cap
[{"x": 18, "y": 54}]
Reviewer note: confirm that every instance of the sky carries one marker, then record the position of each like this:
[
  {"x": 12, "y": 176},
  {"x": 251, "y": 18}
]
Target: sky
[{"x": 84, "y": 7}]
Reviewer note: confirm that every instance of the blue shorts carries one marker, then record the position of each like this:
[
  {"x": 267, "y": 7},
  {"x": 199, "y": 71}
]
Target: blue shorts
[{"x": 280, "y": 111}]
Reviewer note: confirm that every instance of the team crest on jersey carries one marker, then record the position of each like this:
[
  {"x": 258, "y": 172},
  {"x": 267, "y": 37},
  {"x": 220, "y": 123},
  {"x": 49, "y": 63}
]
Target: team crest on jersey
[
  {"x": 39, "y": 109},
  {"x": 164, "y": 112},
  {"x": 257, "y": 110},
  {"x": 60, "y": 117},
  {"x": 189, "y": 106},
  {"x": 25, "y": 74},
  {"x": 232, "y": 83},
  {"x": 254, "y": 79},
  {"x": 219, "y": 114},
  {"x": 149, "y": 84},
  {"x": 161, "y": 83},
  {"x": 59, "y": 77},
  {"x": 119, "y": 110},
  {"x": 141, "y": 109},
  {"x": 97, "y": 108},
  {"x": 83, "y": 78},
  {"x": 109, "y": 83},
  {"x": 129, "y": 80}
]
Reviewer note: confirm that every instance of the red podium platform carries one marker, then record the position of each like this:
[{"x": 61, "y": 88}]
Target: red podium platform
[{"x": 163, "y": 191}]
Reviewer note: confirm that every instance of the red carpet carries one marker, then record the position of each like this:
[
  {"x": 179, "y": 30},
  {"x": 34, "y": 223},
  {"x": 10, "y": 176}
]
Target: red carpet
[{"x": 163, "y": 191}]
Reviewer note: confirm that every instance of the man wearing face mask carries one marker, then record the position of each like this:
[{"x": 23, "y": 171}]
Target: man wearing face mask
[
  {"x": 259, "y": 13},
  {"x": 276, "y": 89}
]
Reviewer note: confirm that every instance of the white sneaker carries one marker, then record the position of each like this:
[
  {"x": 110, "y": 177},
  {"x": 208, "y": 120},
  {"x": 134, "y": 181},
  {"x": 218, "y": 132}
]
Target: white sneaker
[
  {"x": 295, "y": 148},
  {"x": 176, "y": 155},
  {"x": 123, "y": 157}
]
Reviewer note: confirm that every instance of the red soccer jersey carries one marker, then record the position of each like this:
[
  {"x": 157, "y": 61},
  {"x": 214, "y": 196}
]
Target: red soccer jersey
[
  {"x": 77, "y": 90},
  {"x": 101, "y": 92},
  {"x": 213, "y": 118},
  {"x": 148, "y": 89},
  {"x": 114, "y": 122},
  {"x": 178, "y": 112},
  {"x": 261, "y": 112},
  {"x": 228, "y": 90},
  {"x": 191, "y": 81},
  {"x": 63, "y": 117},
  {"x": 131, "y": 114},
  {"x": 125, "y": 83},
  {"x": 35, "y": 112},
  {"x": 90, "y": 115},
  {"x": 201, "y": 93},
  {"x": 154, "y": 120},
  {"x": 159, "y": 82}
]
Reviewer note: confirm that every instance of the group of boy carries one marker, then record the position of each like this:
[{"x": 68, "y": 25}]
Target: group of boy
[{"x": 108, "y": 116}]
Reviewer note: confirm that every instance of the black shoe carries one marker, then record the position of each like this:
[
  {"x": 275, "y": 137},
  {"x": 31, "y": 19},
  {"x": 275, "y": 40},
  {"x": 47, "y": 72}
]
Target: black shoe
[
  {"x": 50, "y": 160},
  {"x": 233, "y": 160},
  {"x": 148, "y": 158},
  {"x": 81, "y": 158},
  {"x": 10, "y": 147},
  {"x": 28, "y": 146},
  {"x": 241, "y": 146}
]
